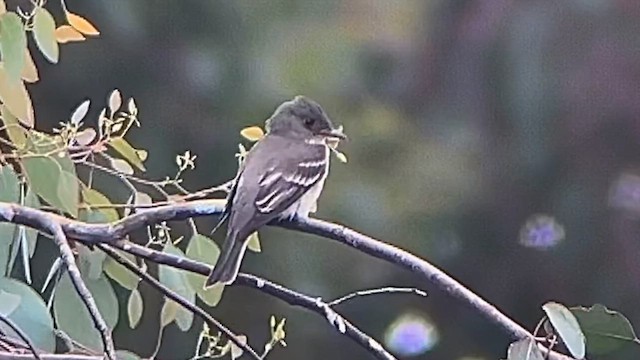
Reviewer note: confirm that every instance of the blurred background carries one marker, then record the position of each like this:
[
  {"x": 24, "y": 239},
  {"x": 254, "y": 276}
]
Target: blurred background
[{"x": 498, "y": 139}]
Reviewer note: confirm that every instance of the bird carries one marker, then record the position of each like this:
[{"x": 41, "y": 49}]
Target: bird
[{"x": 282, "y": 176}]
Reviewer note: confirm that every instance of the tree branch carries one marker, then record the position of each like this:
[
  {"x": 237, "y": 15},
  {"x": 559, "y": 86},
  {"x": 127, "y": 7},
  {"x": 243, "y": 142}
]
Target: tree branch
[
  {"x": 179, "y": 299},
  {"x": 96, "y": 233}
]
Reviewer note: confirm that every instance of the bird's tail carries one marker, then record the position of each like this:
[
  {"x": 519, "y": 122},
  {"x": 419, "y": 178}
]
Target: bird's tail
[{"x": 226, "y": 268}]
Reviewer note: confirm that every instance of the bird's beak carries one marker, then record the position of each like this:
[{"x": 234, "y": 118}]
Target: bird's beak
[{"x": 336, "y": 133}]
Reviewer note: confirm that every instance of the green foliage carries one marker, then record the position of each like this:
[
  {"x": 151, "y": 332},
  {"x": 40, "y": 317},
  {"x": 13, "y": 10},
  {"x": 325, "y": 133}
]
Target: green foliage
[
  {"x": 13, "y": 42},
  {"x": 567, "y": 327},
  {"x": 606, "y": 331}
]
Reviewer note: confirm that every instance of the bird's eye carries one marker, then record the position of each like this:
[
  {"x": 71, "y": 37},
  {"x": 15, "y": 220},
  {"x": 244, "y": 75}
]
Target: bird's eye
[{"x": 309, "y": 121}]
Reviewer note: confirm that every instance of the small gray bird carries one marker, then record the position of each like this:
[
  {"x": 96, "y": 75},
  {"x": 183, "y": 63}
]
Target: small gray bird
[{"x": 282, "y": 176}]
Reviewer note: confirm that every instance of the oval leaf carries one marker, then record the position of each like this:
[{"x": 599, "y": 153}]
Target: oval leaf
[
  {"x": 81, "y": 24},
  {"x": 10, "y": 193},
  {"x": 17, "y": 134},
  {"x": 176, "y": 280},
  {"x": 605, "y": 330},
  {"x": 121, "y": 274},
  {"x": 252, "y": 133},
  {"x": 253, "y": 242},
  {"x": 44, "y": 32},
  {"x": 13, "y": 42},
  {"x": 127, "y": 151},
  {"x": 134, "y": 308},
  {"x": 115, "y": 101},
  {"x": 56, "y": 186},
  {"x": 72, "y": 315},
  {"x": 204, "y": 249},
  {"x": 15, "y": 97},
  {"x": 66, "y": 33},
  {"x": 122, "y": 166},
  {"x": 29, "y": 71},
  {"x": 31, "y": 315},
  {"x": 80, "y": 112},
  {"x": 86, "y": 136},
  {"x": 524, "y": 349},
  {"x": 567, "y": 327},
  {"x": 93, "y": 197}
]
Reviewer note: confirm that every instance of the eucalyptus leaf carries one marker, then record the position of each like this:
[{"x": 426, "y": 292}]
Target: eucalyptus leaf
[
  {"x": 13, "y": 42},
  {"x": 57, "y": 186},
  {"x": 525, "y": 349},
  {"x": 134, "y": 308},
  {"x": 72, "y": 315},
  {"x": 10, "y": 193},
  {"x": 44, "y": 32},
  {"x": 176, "y": 280},
  {"x": 31, "y": 315},
  {"x": 127, "y": 151},
  {"x": 204, "y": 249},
  {"x": 121, "y": 274},
  {"x": 567, "y": 327},
  {"x": 605, "y": 330}
]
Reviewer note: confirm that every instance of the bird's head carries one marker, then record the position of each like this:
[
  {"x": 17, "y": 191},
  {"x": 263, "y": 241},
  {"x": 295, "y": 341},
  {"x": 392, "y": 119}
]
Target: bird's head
[{"x": 302, "y": 118}]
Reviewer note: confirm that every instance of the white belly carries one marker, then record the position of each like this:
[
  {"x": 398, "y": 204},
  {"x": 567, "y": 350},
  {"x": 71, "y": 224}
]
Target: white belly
[{"x": 307, "y": 203}]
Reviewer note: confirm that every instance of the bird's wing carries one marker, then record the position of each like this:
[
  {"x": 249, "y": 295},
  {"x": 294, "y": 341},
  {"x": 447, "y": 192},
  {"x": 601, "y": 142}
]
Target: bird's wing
[{"x": 290, "y": 177}]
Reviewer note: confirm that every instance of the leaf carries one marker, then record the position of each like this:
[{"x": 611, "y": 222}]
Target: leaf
[
  {"x": 56, "y": 186},
  {"x": 127, "y": 151},
  {"x": 252, "y": 133},
  {"x": 29, "y": 71},
  {"x": 10, "y": 193},
  {"x": 66, "y": 33},
  {"x": 134, "y": 308},
  {"x": 81, "y": 24},
  {"x": 176, "y": 280},
  {"x": 567, "y": 327},
  {"x": 115, "y": 101},
  {"x": 80, "y": 112},
  {"x": 44, "y": 32},
  {"x": 126, "y": 355},
  {"x": 72, "y": 315},
  {"x": 168, "y": 312},
  {"x": 254, "y": 242},
  {"x": 90, "y": 262},
  {"x": 93, "y": 197},
  {"x": 12, "y": 44},
  {"x": 31, "y": 200},
  {"x": 17, "y": 134},
  {"x": 605, "y": 330},
  {"x": 15, "y": 97},
  {"x": 3, "y": 7},
  {"x": 236, "y": 351},
  {"x": 85, "y": 137},
  {"x": 31, "y": 315},
  {"x": 524, "y": 349},
  {"x": 121, "y": 166},
  {"x": 204, "y": 249},
  {"x": 341, "y": 156},
  {"x": 121, "y": 274},
  {"x": 9, "y": 302}
]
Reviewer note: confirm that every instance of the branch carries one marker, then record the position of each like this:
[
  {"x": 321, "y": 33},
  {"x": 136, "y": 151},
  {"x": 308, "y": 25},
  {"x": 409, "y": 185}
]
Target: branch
[
  {"x": 12, "y": 356},
  {"x": 97, "y": 233},
  {"x": 81, "y": 288},
  {"x": 179, "y": 299},
  {"x": 289, "y": 296}
]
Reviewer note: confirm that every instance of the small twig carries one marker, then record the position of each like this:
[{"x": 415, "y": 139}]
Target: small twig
[
  {"x": 178, "y": 299},
  {"x": 12, "y": 356},
  {"x": 384, "y": 290},
  {"x": 290, "y": 296},
  {"x": 22, "y": 335},
  {"x": 76, "y": 279}
]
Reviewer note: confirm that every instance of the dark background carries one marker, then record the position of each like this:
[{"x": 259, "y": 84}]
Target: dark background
[{"x": 466, "y": 117}]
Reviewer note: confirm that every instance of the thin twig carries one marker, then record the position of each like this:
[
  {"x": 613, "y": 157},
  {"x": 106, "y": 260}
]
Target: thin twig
[
  {"x": 290, "y": 296},
  {"x": 384, "y": 290},
  {"x": 178, "y": 299},
  {"x": 22, "y": 335},
  {"x": 13, "y": 356},
  {"x": 66, "y": 254}
]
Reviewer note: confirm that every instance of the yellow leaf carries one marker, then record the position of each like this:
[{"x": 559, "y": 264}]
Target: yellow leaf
[
  {"x": 342, "y": 157},
  {"x": 66, "y": 33},
  {"x": 252, "y": 133},
  {"x": 29, "y": 71},
  {"x": 16, "y": 98},
  {"x": 81, "y": 24},
  {"x": 142, "y": 154},
  {"x": 127, "y": 151},
  {"x": 254, "y": 242}
]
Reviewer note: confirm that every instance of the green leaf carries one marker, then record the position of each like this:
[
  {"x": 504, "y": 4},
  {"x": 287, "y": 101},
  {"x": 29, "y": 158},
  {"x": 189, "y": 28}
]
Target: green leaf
[
  {"x": 168, "y": 312},
  {"x": 567, "y": 327},
  {"x": 93, "y": 197},
  {"x": 605, "y": 330},
  {"x": 44, "y": 29},
  {"x": 9, "y": 302},
  {"x": 9, "y": 192},
  {"x": 134, "y": 308},
  {"x": 31, "y": 315},
  {"x": 13, "y": 41},
  {"x": 127, "y": 151},
  {"x": 204, "y": 249},
  {"x": 31, "y": 200},
  {"x": 126, "y": 355},
  {"x": 17, "y": 134},
  {"x": 176, "y": 280},
  {"x": 524, "y": 349},
  {"x": 121, "y": 274},
  {"x": 254, "y": 242},
  {"x": 15, "y": 97},
  {"x": 72, "y": 315},
  {"x": 90, "y": 262},
  {"x": 51, "y": 182}
]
